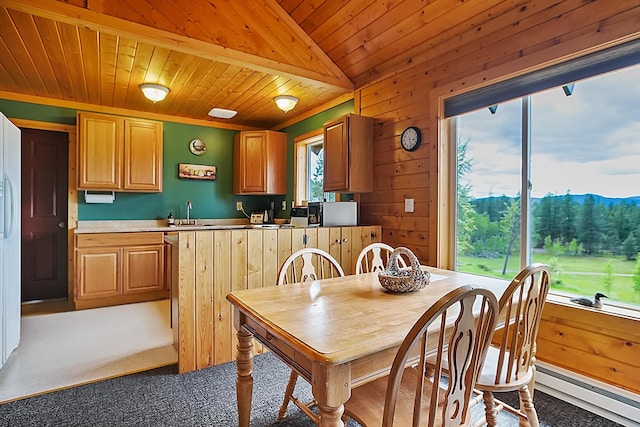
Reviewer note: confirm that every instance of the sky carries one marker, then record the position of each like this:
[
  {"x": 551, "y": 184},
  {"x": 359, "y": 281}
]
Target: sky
[{"x": 588, "y": 142}]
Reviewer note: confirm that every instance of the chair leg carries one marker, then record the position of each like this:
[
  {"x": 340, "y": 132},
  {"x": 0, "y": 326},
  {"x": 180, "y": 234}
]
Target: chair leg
[
  {"x": 491, "y": 412},
  {"x": 291, "y": 385},
  {"x": 526, "y": 406}
]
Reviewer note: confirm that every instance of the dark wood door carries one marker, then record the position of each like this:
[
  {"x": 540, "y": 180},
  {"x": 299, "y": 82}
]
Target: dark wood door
[{"x": 44, "y": 214}]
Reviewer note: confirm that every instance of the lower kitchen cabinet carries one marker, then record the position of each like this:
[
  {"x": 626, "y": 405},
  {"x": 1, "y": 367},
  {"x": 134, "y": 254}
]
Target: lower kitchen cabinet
[
  {"x": 206, "y": 265},
  {"x": 119, "y": 268}
]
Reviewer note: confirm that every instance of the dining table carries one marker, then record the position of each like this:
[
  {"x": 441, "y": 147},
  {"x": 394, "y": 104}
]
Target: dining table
[{"x": 336, "y": 333}]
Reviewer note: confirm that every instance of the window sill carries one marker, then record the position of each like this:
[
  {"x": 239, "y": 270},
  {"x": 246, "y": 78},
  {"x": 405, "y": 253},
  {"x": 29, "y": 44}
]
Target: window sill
[{"x": 607, "y": 309}]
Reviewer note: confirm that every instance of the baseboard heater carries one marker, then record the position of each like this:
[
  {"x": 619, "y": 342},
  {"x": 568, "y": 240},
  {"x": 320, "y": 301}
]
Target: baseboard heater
[{"x": 610, "y": 402}]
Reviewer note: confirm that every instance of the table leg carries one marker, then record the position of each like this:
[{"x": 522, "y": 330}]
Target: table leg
[
  {"x": 331, "y": 416},
  {"x": 331, "y": 389},
  {"x": 244, "y": 383}
]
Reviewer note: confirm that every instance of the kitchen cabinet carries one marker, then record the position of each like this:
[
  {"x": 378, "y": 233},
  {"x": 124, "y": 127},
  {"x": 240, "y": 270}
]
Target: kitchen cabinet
[
  {"x": 119, "y": 153},
  {"x": 118, "y": 268},
  {"x": 260, "y": 162},
  {"x": 209, "y": 264},
  {"x": 348, "y": 154}
]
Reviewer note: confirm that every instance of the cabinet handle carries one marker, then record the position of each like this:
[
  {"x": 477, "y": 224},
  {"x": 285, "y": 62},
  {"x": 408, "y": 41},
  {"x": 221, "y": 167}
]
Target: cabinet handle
[
  {"x": 338, "y": 241},
  {"x": 304, "y": 239},
  {"x": 345, "y": 240}
]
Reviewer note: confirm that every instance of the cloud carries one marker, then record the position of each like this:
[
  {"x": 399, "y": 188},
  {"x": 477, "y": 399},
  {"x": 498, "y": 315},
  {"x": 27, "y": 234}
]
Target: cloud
[{"x": 588, "y": 142}]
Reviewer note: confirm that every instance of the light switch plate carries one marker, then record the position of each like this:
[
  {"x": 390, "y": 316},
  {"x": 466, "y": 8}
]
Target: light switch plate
[
  {"x": 284, "y": 205},
  {"x": 238, "y": 206},
  {"x": 408, "y": 205}
]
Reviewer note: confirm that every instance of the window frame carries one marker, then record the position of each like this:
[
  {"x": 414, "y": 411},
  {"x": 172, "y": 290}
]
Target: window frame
[{"x": 301, "y": 174}]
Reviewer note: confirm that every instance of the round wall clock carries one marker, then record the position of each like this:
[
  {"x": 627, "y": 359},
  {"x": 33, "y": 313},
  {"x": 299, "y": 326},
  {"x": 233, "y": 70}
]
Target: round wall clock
[
  {"x": 197, "y": 147},
  {"x": 411, "y": 138}
]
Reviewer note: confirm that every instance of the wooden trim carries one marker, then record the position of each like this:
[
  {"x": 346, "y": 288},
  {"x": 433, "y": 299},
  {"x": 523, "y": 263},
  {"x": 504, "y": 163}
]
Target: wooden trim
[
  {"x": 81, "y": 106},
  {"x": 93, "y": 20},
  {"x": 311, "y": 134},
  {"x": 72, "y": 193}
]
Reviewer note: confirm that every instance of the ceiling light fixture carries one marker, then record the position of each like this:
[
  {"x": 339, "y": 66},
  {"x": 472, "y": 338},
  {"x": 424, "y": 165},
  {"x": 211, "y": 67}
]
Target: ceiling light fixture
[
  {"x": 286, "y": 102},
  {"x": 222, "y": 113},
  {"x": 154, "y": 92}
]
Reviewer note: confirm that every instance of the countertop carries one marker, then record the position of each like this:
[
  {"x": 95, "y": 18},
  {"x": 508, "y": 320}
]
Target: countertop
[{"x": 130, "y": 226}]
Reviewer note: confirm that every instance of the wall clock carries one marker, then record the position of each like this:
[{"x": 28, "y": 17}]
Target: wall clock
[
  {"x": 197, "y": 147},
  {"x": 411, "y": 138}
]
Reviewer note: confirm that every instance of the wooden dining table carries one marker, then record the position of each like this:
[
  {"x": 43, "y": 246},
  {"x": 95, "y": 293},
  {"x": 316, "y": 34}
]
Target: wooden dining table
[{"x": 336, "y": 333}]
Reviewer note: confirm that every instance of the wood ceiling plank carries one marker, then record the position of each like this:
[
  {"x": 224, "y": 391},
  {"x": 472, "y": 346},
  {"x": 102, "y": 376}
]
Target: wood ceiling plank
[
  {"x": 397, "y": 21},
  {"x": 39, "y": 54},
  {"x": 398, "y": 39},
  {"x": 210, "y": 84},
  {"x": 304, "y": 9},
  {"x": 70, "y": 14},
  {"x": 26, "y": 74},
  {"x": 89, "y": 42},
  {"x": 70, "y": 40},
  {"x": 55, "y": 53},
  {"x": 108, "y": 48},
  {"x": 321, "y": 14},
  {"x": 289, "y": 5},
  {"x": 124, "y": 66},
  {"x": 340, "y": 21},
  {"x": 193, "y": 90},
  {"x": 355, "y": 23},
  {"x": 141, "y": 62},
  {"x": 7, "y": 83}
]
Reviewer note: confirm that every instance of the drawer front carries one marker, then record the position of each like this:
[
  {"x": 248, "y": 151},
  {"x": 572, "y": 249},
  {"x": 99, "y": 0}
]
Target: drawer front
[{"x": 93, "y": 240}]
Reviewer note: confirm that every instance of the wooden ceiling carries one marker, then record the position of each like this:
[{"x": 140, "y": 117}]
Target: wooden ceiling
[{"x": 233, "y": 54}]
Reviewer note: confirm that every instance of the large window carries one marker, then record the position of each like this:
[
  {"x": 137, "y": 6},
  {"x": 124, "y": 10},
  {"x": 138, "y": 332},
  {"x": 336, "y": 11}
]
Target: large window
[{"x": 554, "y": 177}]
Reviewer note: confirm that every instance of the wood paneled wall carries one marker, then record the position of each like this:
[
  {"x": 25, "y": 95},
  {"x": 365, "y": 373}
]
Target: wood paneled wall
[{"x": 515, "y": 38}]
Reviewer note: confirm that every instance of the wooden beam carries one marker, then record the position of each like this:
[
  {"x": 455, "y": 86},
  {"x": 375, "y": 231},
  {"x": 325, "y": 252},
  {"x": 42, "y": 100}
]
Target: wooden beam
[{"x": 94, "y": 20}]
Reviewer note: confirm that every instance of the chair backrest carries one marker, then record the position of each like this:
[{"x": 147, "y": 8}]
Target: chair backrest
[
  {"x": 374, "y": 257},
  {"x": 522, "y": 304},
  {"x": 464, "y": 346},
  {"x": 308, "y": 264}
]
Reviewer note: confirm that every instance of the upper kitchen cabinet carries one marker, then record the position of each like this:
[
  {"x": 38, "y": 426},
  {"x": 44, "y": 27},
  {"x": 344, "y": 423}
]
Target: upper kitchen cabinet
[
  {"x": 348, "y": 154},
  {"x": 119, "y": 153},
  {"x": 260, "y": 162}
]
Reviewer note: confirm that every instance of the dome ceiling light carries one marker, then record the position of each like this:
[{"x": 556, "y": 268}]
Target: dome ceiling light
[
  {"x": 154, "y": 92},
  {"x": 286, "y": 102}
]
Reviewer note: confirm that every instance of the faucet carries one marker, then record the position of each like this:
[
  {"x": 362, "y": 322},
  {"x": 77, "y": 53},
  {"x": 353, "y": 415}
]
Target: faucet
[{"x": 189, "y": 207}]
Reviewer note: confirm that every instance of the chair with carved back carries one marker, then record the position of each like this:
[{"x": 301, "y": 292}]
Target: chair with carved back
[
  {"x": 458, "y": 328},
  {"x": 374, "y": 257},
  {"x": 302, "y": 266},
  {"x": 509, "y": 365}
]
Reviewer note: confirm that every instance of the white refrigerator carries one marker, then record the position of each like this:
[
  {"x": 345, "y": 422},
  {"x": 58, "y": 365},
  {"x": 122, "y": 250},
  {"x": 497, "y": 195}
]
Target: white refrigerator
[{"x": 9, "y": 238}]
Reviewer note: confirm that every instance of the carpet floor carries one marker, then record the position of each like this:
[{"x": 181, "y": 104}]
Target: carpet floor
[{"x": 162, "y": 397}]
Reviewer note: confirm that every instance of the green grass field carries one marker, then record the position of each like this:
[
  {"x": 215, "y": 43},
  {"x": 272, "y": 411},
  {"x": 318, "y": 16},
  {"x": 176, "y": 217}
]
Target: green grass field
[{"x": 579, "y": 275}]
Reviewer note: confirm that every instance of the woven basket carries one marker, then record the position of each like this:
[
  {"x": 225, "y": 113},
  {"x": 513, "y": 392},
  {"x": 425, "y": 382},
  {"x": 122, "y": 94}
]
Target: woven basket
[{"x": 395, "y": 279}]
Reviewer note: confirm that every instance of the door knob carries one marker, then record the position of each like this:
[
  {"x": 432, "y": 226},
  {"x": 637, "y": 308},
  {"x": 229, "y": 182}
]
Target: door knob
[{"x": 61, "y": 224}]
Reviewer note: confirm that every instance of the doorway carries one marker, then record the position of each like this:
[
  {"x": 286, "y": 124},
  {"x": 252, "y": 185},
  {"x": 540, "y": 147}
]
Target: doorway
[{"x": 45, "y": 155}]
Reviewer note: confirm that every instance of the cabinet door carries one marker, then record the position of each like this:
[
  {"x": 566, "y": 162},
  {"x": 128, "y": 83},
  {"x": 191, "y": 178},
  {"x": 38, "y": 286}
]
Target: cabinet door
[
  {"x": 142, "y": 155},
  {"x": 336, "y": 155},
  {"x": 100, "y": 140},
  {"x": 249, "y": 156},
  {"x": 143, "y": 269},
  {"x": 98, "y": 273}
]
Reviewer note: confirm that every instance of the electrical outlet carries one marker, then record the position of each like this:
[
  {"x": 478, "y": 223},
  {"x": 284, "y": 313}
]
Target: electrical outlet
[
  {"x": 284, "y": 205},
  {"x": 238, "y": 206},
  {"x": 408, "y": 205}
]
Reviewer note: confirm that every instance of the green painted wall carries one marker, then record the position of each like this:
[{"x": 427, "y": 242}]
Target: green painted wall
[{"x": 210, "y": 199}]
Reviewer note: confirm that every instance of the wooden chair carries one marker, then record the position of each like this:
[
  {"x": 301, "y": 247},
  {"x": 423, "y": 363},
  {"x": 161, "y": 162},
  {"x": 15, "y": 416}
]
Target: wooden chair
[
  {"x": 301, "y": 266},
  {"x": 374, "y": 257},
  {"x": 407, "y": 396},
  {"x": 510, "y": 365}
]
